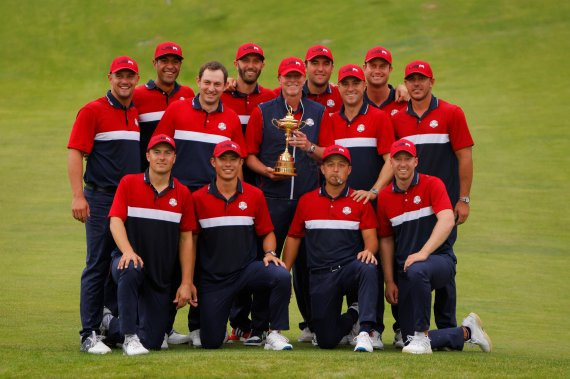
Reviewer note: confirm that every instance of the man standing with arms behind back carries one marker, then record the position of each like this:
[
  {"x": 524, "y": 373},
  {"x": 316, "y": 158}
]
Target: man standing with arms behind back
[{"x": 105, "y": 131}]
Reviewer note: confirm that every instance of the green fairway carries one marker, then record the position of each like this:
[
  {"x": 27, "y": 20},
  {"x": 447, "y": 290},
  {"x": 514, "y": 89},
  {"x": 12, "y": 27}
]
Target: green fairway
[{"x": 503, "y": 62}]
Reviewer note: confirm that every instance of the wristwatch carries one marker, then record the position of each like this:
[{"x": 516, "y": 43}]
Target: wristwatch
[
  {"x": 272, "y": 252},
  {"x": 312, "y": 148},
  {"x": 374, "y": 190},
  {"x": 465, "y": 199}
]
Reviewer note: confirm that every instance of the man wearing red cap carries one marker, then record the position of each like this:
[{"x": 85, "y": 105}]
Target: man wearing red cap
[
  {"x": 231, "y": 216},
  {"x": 380, "y": 94},
  {"x": 152, "y": 98},
  {"x": 265, "y": 143},
  {"x": 106, "y": 133},
  {"x": 444, "y": 146},
  {"x": 340, "y": 235},
  {"x": 415, "y": 222},
  {"x": 319, "y": 63},
  {"x": 152, "y": 219}
]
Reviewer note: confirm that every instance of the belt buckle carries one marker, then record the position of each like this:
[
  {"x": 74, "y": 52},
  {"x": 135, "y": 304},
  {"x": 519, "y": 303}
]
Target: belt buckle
[{"x": 336, "y": 268}]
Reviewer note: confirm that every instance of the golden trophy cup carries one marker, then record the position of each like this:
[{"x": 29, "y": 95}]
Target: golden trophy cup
[{"x": 285, "y": 165}]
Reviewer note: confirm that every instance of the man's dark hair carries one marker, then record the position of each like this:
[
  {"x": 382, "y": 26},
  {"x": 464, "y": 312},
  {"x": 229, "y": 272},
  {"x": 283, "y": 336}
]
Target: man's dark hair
[{"x": 213, "y": 66}]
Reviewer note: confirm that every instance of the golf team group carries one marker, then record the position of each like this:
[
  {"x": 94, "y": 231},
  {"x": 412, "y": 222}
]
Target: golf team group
[{"x": 204, "y": 199}]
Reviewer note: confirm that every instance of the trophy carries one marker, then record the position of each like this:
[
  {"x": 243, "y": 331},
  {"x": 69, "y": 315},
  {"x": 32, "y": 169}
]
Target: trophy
[{"x": 285, "y": 165}]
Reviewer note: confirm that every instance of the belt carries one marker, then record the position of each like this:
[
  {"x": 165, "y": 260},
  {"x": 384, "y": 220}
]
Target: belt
[
  {"x": 93, "y": 187},
  {"x": 326, "y": 269}
]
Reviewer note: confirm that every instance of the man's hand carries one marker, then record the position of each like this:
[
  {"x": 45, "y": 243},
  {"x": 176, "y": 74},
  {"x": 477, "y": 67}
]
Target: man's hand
[
  {"x": 413, "y": 258},
  {"x": 362, "y": 194},
  {"x": 80, "y": 208},
  {"x": 461, "y": 212},
  {"x": 127, "y": 258},
  {"x": 300, "y": 140},
  {"x": 270, "y": 173},
  {"x": 270, "y": 258},
  {"x": 402, "y": 94},
  {"x": 186, "y": 294},
  {"x": 231, "y": 84},
  {"x": 391, "y": 293},
  {"x": 367, "y": 257}
]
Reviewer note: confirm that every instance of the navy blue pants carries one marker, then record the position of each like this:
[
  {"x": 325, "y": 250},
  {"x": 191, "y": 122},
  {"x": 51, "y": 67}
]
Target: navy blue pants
[
  {"x": 414, "y": 300},
  {"x": 143, "y": 309},
  {"x": 445, "y": 300},
  {"x": 100, "y": 244},
  {"x": 216, "y": 300},
  {"x": 327, "y": 291}
]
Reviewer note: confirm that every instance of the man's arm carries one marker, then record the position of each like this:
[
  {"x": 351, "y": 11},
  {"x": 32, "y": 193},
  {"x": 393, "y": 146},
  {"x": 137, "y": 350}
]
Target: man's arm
[
  {"x": 387, "y": 259},
  {"x": 384, "y": 178},
  {"x": 370, "y": 247},
  {"x": 119, "y": 233},
  {"x": 465, "y": 160},
  {"x": 402, "y": 94},
  {"x": 187, "y": 293},
  {"x": 290, "y": 251},
  {"x": 79, "y": 205},
  {"x": 440, "y": 232}
]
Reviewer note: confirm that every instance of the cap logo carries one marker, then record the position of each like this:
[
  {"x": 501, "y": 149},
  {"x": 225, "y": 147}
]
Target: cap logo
[
  {"x": 168, "y": 139},
  {"x": 242, "y": 205},
  {"x": 297, "y": 63},
  {"x": 407, "y": 144},
  {"x": 222, "y": 126},
  {"x": 234, "y": 146},
  {"x": 172, "y": 202},
  {"x": 255, "y": 48},
  {"x": 354, "y": 69},
  {"x": 380, "y": 51},
  {"x": 346, "y": 210},
  {"x": 417, "y": 200},
  {"x": 170, "y": 47}
]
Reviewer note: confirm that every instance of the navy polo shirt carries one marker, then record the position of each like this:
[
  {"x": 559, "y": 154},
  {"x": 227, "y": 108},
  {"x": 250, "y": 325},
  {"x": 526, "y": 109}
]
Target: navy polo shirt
[{"x": 108, "y": 133}]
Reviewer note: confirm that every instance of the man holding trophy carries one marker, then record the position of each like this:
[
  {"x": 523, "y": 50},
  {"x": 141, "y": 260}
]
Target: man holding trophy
[{"x": 295, "y": 124}]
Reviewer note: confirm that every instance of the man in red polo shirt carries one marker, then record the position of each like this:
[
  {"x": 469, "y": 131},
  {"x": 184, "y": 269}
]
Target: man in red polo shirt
[
  {"x": 106, "y": 133},
  {"x": 152, "y": 98},
  {"x": 319, "y": 63},
  {"x": 152, "y": 219}
]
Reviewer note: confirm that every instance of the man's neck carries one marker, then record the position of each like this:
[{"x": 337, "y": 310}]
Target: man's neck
[
  {"x": 316, "y": 90},
  {"x": 163, "y": 86},
  {"x": 209, "y": 108},
  {"x": 421, "y": 107},
  {"x": 334, "y": 191},
  {"x": 227, "y": 188},
  {"x": 244, "y": 87},
  {"x": 159, "y": 181},
  {"x": 378, "y": 95},
  {"x": 293, "y": 102},
  {"x": 351, "y": 111}
]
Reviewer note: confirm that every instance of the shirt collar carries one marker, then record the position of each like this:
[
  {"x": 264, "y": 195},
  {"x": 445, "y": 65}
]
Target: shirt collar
[
  {"x": 391, "y": 97},
  {"x": 363, "y": 110},
  {"x": 196, "y": 104},
  {"x": 116, "y": 103},
  {"x": 323, "y": 192},
  {"x": 213, "y": 190},
  {"x": 433, "y": 104},
  {"x": 284, "y": 102},
  {"x": 415, "y": 181},
  {"x": 168, "y": 188},
  {"x": 306, "y": 91},
  {"x": 152, "y": 86},
  {"x": 239, "y": 94}
]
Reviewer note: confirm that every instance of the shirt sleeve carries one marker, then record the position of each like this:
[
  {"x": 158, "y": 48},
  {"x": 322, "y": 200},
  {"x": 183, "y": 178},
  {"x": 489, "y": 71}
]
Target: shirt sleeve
[
  {"x": 188, "y": 220},
  {"x": 439, "y": 198},
  {"x": 254, "y": 131},
  {"x": 83, "y": 131},
  {"x": 263, "y": 224},
  {"x": 325, "y": 130},
  {"x": 368, "y": 219},
  {"x": 297, "y": 228},
  {"x": 385, "y": 137},
  {"x": 119, "y": 208},
  {"x": 384, "y": 224},
  {"x": 459, "y": 134}
]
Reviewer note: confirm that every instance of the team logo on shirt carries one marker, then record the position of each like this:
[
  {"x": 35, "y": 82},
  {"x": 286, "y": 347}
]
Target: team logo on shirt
[
  {"x": 360, "y": 128},
  {"x": 172, "y": 202},
  {"x": 394, "y": 111},
  {"x": 181, "y": 98},
  {"x": 242, "y": 205},
  {"x": 330, "y": 103},
  {"x": 346, "y": 210},
  {"x": 417, "y": 200},
  {"x": 222, "y": 126},
  {"x": 309, "y": 122},
  {"x": 433, "y": 123}
]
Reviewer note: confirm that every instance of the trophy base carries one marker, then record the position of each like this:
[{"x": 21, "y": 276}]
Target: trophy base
[{"x": 284, "y": 169}]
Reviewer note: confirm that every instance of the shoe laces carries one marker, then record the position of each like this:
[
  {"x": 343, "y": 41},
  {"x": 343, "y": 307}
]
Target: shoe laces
[
  {"x": 419, "y": 340},
  {"x": 134, "y": 342}
]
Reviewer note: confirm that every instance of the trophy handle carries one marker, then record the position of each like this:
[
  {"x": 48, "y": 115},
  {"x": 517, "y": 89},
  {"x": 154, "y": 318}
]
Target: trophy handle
[{"x": 275, "y": 122}]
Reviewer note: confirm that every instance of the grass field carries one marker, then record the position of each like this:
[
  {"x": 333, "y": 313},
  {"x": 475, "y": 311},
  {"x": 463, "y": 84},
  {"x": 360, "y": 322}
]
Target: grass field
[{"x": 504, "y": 62}]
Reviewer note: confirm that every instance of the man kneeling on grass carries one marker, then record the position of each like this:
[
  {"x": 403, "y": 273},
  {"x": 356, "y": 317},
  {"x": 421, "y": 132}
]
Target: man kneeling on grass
[
  {"x": 416, "y": 218},
  {"x": 230, "y": 214},
  {"x": 152, "y": 218},
  {"x": 340, "y": 235}
]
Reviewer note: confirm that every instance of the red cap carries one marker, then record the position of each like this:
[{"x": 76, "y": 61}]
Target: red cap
[
  {"x": 168, "y": 48},
  {"x": 378, "y": 52},
  {"x": 124, "y": 63},
  {"x": 403, "y": 145},
  {"x": 336, "y": 149},
  {"x": 350, "y": 70},
  {"x": 419, "y": 67},
  {"x": 249, "y": 48},
  {"x": 291, "y": 64},
  {"x": 161, "y": 138},
  {"x": 318, "y": 51},
  {"x": 224, "y": 146}
]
